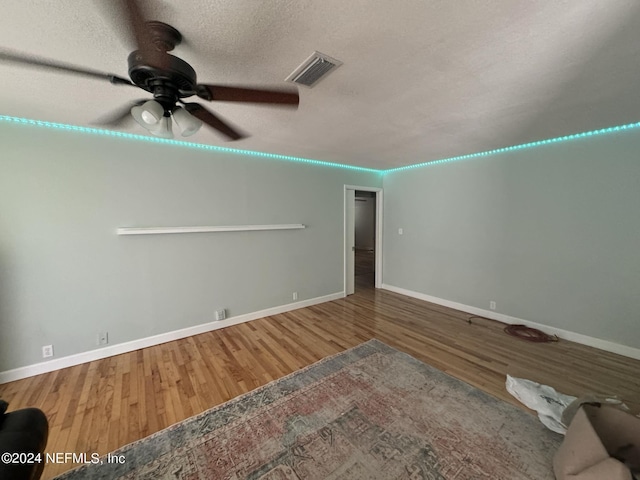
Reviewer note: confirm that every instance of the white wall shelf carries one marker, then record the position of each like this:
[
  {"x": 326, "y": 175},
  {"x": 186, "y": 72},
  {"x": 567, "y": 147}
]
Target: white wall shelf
[{"x": 231, "y": 228}]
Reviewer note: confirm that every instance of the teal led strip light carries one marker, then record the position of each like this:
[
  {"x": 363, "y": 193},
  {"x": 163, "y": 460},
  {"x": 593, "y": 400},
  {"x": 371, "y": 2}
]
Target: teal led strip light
[
  {"x": 575, "y": 136},
  {"x": 197, "y": 146}
]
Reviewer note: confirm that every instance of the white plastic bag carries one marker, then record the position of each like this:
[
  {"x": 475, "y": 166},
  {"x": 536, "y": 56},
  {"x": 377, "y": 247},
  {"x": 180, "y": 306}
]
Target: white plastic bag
[{"x": 543, "y": 399}]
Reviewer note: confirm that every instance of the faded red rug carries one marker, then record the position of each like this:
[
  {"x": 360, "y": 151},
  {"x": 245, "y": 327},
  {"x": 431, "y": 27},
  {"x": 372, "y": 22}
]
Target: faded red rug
[{"x": 371, "y": 412}]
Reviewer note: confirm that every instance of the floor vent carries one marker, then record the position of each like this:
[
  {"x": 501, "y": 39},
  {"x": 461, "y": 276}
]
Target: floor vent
[{"x": 313, "y": 69}]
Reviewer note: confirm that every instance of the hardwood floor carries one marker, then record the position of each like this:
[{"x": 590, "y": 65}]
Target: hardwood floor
[{"x": 99, "y": 406}]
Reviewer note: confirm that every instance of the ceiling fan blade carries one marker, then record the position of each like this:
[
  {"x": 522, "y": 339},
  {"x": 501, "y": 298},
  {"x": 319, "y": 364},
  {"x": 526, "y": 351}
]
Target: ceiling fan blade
[
  {"x": 148, "y": 36},
  {"x": 223, "y": 93},
  {"x": 119, "y": 116},
  {"x": 39, "y": 62},
  {"x": 133, "y": 12},
  {"x": 213, "y": 121}
]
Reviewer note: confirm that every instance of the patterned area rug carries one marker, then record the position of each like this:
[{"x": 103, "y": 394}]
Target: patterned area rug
[{"x": 371, "y": 412}]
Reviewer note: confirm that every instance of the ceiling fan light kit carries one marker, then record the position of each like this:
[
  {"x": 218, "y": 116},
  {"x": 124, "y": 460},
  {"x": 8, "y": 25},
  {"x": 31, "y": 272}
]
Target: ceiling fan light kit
[
  {"x": 168, "y": 78},
  {"x": 187, "y": 123},
  {"x": 163, "y": 128},
  {"x": 152, "y": 116},
  {"x": 147, "y": 114}
]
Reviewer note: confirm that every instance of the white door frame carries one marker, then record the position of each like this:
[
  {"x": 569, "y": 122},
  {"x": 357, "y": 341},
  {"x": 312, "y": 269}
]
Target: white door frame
[{"x": 378, "y": 251}]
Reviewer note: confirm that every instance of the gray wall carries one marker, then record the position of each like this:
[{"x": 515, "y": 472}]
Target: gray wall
[
  {"x": 65, "y": 275},
  {"x": 552, "y": 234},
  {"x": 365, "y": 222}
]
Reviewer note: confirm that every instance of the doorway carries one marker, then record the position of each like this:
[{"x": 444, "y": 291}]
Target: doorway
[{"x": 363, "y": 238}]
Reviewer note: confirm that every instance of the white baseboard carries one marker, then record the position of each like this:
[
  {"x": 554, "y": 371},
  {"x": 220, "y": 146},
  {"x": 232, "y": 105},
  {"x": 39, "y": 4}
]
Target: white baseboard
[
  {"x": 77, "y": 359},
  {"x": 564, "y": 334}
]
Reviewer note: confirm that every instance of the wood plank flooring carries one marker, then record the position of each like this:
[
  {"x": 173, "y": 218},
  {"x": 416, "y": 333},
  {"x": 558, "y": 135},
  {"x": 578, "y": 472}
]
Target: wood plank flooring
[{"x": 102, "y": 405}]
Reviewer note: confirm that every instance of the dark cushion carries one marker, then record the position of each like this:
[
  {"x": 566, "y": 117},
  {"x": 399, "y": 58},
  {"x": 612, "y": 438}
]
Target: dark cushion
[{"x": 23, "y": 431}]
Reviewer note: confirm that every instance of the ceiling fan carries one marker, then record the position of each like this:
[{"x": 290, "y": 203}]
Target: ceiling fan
[{"x": 168, "y": 78}]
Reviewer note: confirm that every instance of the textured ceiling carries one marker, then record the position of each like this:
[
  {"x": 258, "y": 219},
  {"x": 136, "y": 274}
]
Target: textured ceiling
[{"x": 421, "y": 80}]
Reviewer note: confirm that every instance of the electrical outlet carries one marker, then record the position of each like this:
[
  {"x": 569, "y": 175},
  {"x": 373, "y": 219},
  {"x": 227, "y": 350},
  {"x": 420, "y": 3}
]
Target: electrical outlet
[
  {"x": 47, "y": 351},
  {"x": 221, "y": 314},
  {"x": 295, "y": 295},
  {"x": 103, "y": 338},
  {"x": 492, "y": 305},
  {"x": 400, "y": 231}
]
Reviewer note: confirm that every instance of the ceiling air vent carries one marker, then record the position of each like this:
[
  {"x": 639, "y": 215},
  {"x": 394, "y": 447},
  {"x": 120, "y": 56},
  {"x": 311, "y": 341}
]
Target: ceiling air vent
[{"x": 313, "y": 69}]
